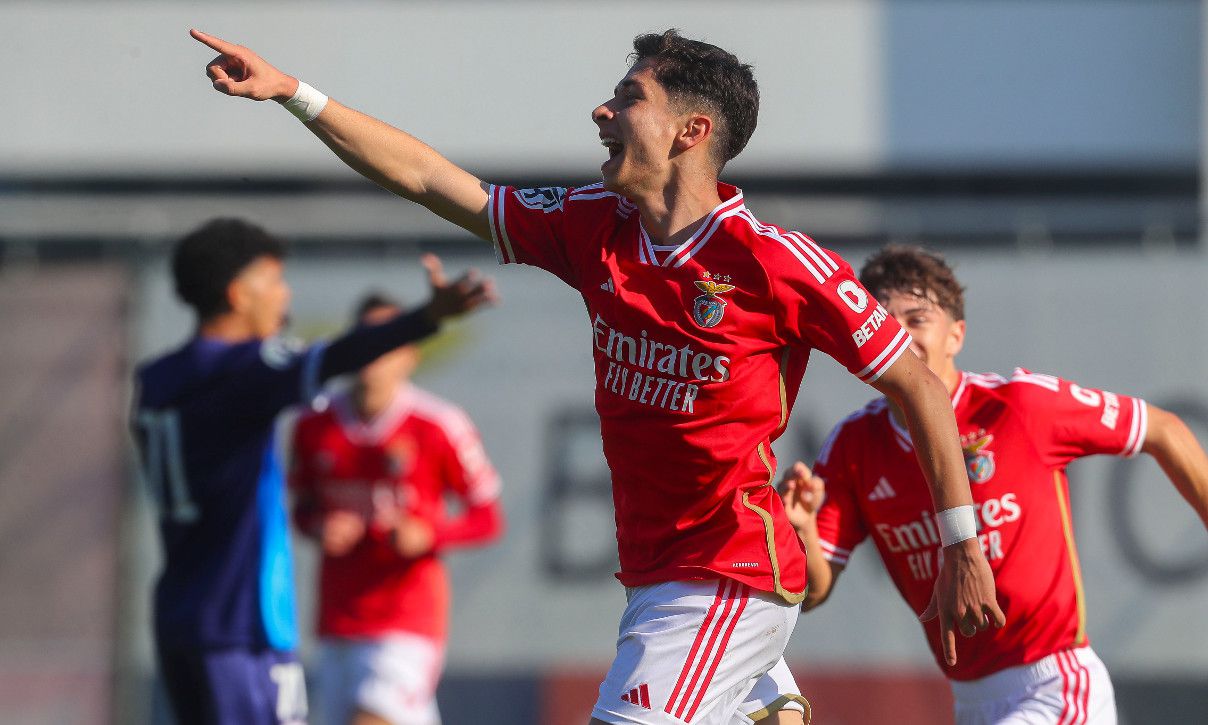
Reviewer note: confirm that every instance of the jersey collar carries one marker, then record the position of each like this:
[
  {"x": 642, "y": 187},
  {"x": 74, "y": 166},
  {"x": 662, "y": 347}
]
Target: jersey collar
[
  {"x": 731, "y": 204},
  {"x": 383, "y": 424}
]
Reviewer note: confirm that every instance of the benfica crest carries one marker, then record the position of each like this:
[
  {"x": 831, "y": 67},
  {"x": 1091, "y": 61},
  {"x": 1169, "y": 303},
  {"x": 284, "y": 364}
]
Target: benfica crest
[
  {"x": 708, "y": 309},
  {"x": 979, "y": 462}
]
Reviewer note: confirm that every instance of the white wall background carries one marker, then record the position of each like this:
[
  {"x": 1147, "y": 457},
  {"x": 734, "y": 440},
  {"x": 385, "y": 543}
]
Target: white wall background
[{"x": 119, "y": 87}]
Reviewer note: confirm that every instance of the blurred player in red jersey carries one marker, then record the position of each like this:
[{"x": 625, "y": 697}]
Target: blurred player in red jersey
[
  {"x": 703, "y": 319},
  {"x": 371, "y": 473},
  {"x": 1018, "y": 434}
]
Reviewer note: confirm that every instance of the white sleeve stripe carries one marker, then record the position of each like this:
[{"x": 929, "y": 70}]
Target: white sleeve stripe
[
  {"x": 800, "y": 241},
  {"x": 1138, "y": 429},
  {"x": 828, "y": 546},
  {"x": 503, "y": 227},
  {"x": 499, "y": 229},
  {"x": 766, "y": 231},
  {"x": 493, "y": 194},
  {"x": 878, "y": 366},
  {"x": 825, "y": 263},
  {"x": 890, "y": 361},
  {"x": 310, "y": 372},
  {"x": 1048, "y": 382},
  {"x": 834, "y": 558},
  {"x": 797, "y": 253},
  {"x": 596, "y": 189},
  {"x": 1132, "y": 430},
  {"x": 600, "y": 195},
  {"x": 833, "y": 265},
  {"x": 1143, "y": 430},
  {"x": 484, "y": 490}
]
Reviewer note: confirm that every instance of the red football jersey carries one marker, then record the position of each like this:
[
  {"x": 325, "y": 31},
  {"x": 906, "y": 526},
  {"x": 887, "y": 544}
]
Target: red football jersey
[
  {"x": 404, "y": 462},
  {"x": 699, "y": 352},
  {"x": 1018, "y": 436}
]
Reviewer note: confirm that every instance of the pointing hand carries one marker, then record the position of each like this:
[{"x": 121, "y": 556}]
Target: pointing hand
[{"x": 237, "y": 71}]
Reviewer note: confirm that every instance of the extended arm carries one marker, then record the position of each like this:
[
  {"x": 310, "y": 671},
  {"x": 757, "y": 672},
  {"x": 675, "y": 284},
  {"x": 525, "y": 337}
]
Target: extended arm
[
  {"x": 1181, "y": 457},
  {"x": 387, "y": 156},
  {"x": 802, "y": 492},
  {"x": 476, "y": 525},
  {"x": 964, "y": 591},
  {"x": 362, "y": 345}
]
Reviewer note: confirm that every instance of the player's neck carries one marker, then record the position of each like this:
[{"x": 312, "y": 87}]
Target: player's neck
[
  {"x": 672, "y": 213},
  {"x": 227, "y": 327},
  {"x": 371, "y": 401}
]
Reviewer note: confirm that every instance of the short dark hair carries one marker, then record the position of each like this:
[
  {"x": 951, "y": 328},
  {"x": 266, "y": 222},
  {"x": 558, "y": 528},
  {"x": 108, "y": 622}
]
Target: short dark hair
[
  {"x": 917, "y": 271},
  {"x": 695, "y": 73},
  {"x": 374, "y": 300},
  {"x": 206, "y": 260}
]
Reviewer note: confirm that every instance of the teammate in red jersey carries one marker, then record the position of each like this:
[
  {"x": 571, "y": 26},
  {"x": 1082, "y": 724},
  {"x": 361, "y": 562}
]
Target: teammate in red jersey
[
  {"x": 1018, "y": 435},
  {"x": 370, "y": 476},
  {"x": 702, "y": 319}
]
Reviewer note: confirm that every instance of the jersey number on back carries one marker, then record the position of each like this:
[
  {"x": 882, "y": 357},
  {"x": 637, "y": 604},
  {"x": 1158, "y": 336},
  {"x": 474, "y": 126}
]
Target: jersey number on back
[{"x": 163, "y": 465}]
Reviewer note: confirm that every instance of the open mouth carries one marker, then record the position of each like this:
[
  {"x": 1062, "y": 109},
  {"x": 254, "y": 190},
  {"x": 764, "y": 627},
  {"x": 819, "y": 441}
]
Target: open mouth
[{"x": 614, "y": 147}]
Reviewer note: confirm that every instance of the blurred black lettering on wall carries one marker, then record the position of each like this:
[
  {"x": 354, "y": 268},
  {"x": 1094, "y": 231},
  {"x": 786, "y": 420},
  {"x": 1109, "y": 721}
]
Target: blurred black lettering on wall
[
  {"x": 578, "y": 526},
  {"x": 1161, "y": 569}
]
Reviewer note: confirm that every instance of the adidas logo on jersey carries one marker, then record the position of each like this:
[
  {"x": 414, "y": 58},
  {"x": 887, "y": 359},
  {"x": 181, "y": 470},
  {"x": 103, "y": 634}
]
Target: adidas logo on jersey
[
  {"x": 882, "y": 491},
  {"x": 608, "y": 286},
  {"x": 639, "y": 696}
]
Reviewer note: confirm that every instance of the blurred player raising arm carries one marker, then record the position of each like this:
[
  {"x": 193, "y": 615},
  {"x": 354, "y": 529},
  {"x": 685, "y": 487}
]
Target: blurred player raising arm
[
  {"x": 372, "y": 474},
  {"x": 393, "y": 159},
  {"x": 204, "y": 420}
]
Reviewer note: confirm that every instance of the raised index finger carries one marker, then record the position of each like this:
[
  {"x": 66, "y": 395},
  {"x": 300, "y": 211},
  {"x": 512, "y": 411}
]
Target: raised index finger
[{"x": 216, "y": 43}]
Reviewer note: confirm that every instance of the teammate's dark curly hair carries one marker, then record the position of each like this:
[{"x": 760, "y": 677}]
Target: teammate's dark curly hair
[
  {"x": 917, "y": 271},
  {"x": 700, "y": 76},
  {"x": 206, "y": 260}
]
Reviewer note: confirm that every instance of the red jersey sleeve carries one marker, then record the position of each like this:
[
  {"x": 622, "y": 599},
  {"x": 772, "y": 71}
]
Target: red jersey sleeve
[
  {"x": 529, "y": 226},
  {"x": 840, "y": 526},
  {"x": 1070, "y": 421},
  {"x": 470, "y": 477},
  {"x": 823, "y": 305}
]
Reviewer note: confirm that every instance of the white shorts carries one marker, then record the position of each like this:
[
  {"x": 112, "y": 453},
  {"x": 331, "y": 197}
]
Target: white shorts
[
  {"x": 694, "y": 651},
  {"x": 1071, "y": 687},
  {"x": 393, "y": 677}
]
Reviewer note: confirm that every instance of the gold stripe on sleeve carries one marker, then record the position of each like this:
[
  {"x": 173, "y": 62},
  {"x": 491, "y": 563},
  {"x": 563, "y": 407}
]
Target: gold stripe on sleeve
[
  {"x": 1067, "y": 528},
  {"x": 784, "y": 393}
]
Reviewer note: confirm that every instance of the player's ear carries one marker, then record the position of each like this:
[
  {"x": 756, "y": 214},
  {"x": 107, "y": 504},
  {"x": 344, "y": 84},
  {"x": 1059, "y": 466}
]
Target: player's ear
[
  {"x": 237, "y": 294},
  {"x": 697, "y": 129},
  {"x": 956, "y": 338}
]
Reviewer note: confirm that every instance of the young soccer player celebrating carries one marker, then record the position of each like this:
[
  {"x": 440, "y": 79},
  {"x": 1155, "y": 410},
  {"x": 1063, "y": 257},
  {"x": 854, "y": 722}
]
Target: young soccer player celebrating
[
  {"x": 204, "y": 422},
  {"x": 1018, "y": 435},
  {"x": 703, "y": 318},
  {"x": 370, "y": 474}
]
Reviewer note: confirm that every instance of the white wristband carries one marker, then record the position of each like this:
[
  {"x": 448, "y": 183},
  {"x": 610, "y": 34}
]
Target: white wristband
[
  {"x": 956, "y": 524},
  {"x": 306, "y": 103}
]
